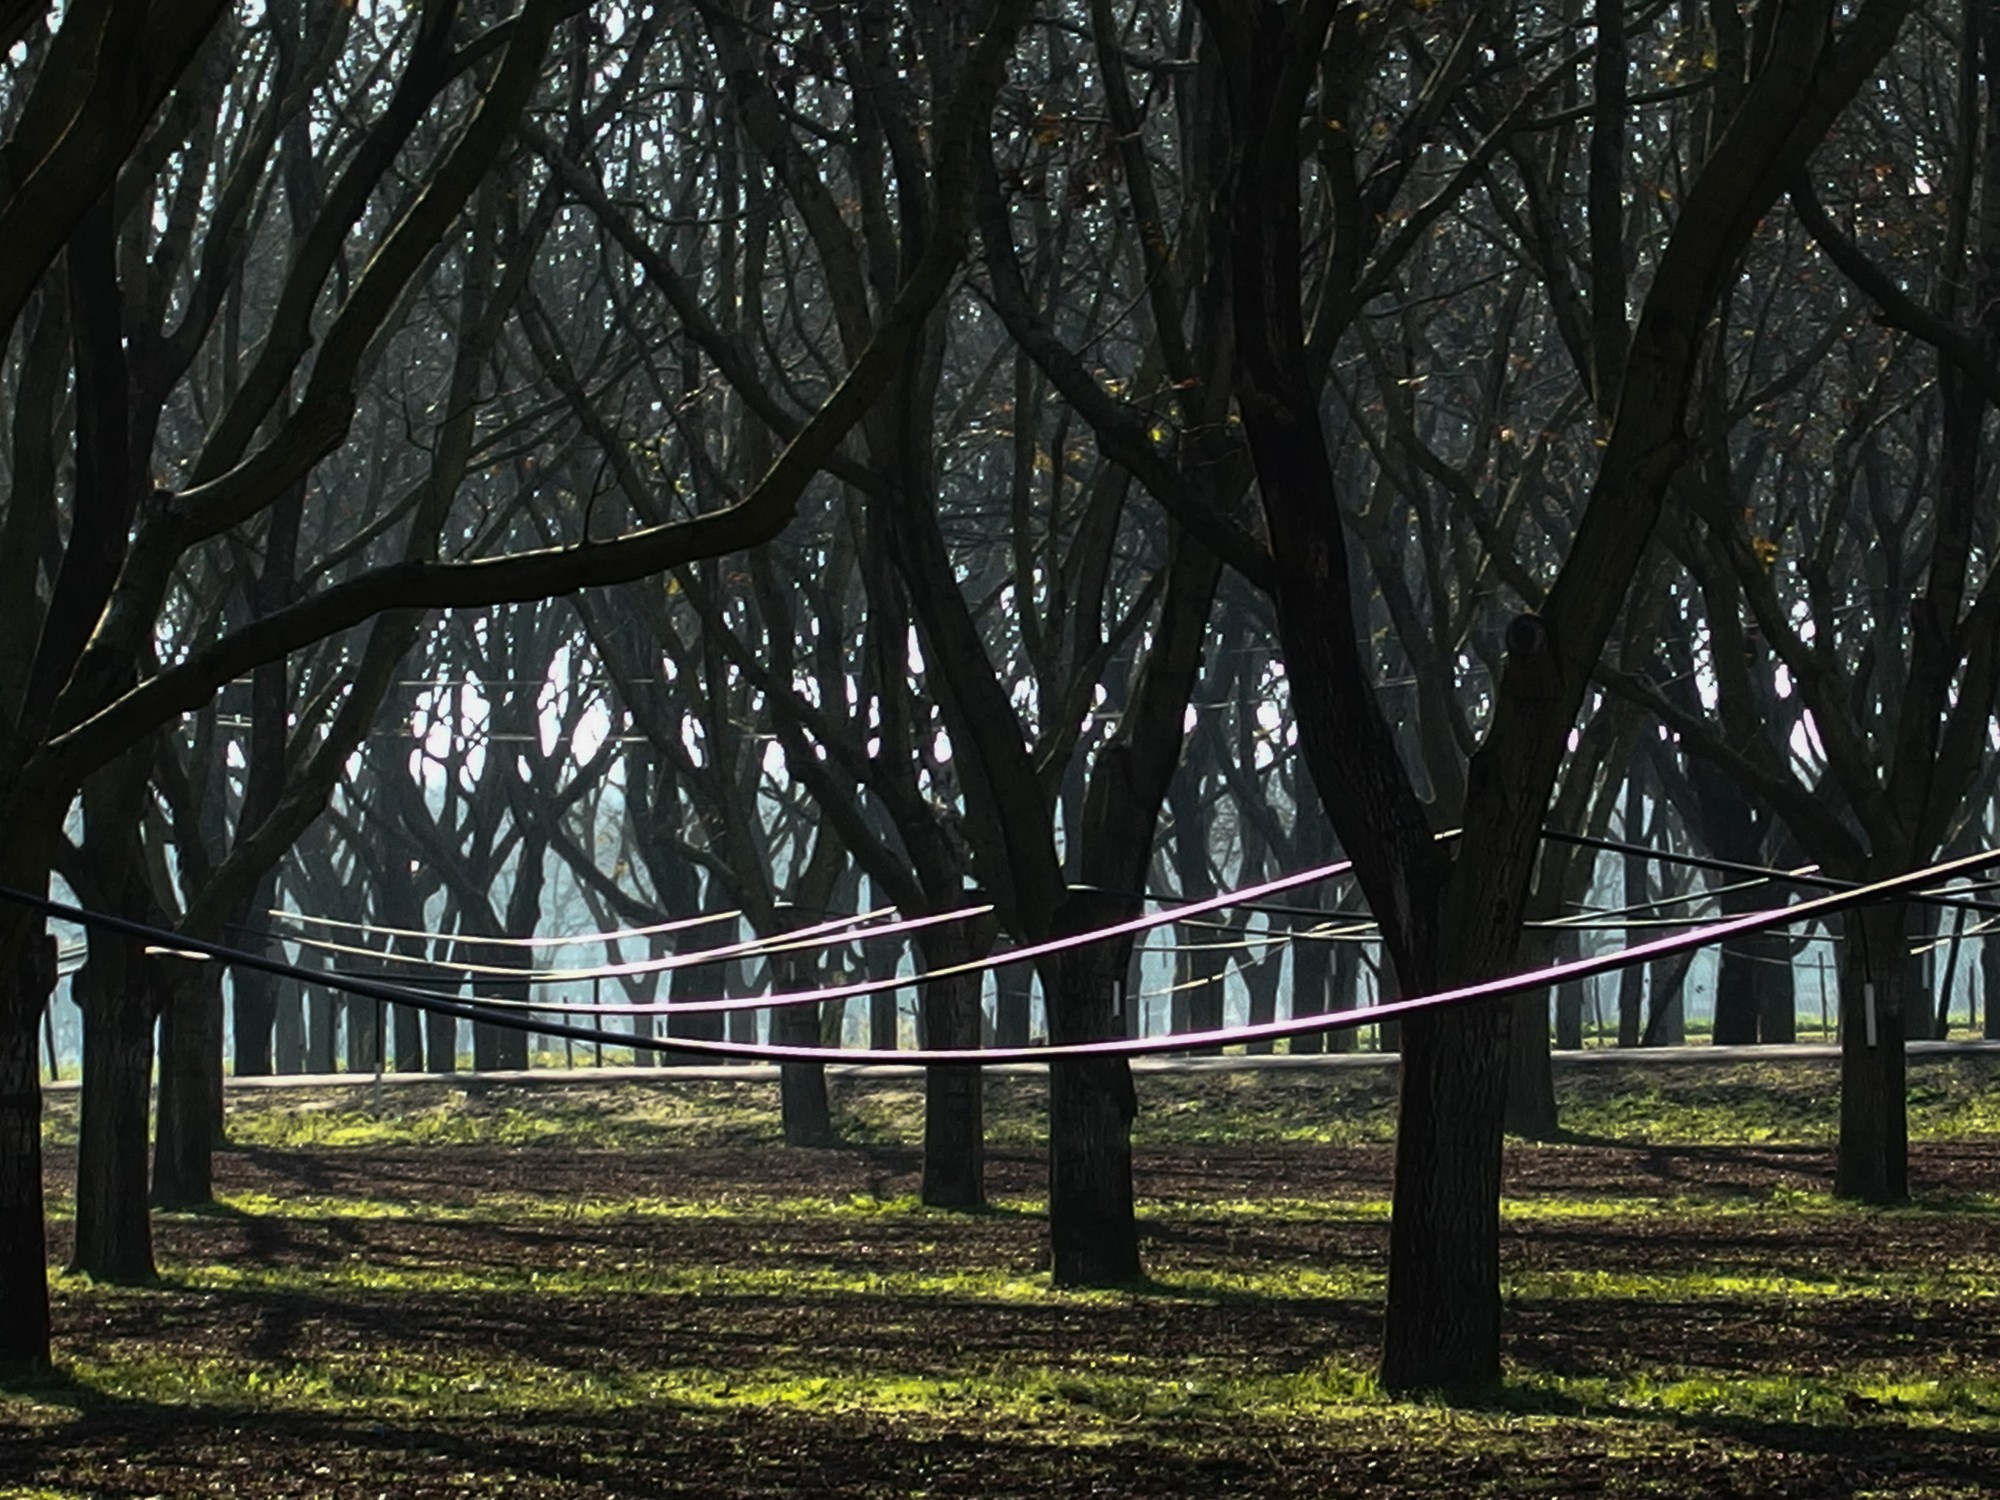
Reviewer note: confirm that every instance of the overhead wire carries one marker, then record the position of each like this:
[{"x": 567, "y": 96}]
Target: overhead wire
[
  {"x": 1898, "y": 887},
  {"x": 832, "y": 933},
  {"x": 460, "y": 939}
]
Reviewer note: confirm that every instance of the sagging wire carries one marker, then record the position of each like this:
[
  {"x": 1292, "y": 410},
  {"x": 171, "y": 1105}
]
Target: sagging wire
[
  {"x": 678, "y": 924},
  {"x": 833, "y": 933},
  {"x": 1898, "y": 887}
]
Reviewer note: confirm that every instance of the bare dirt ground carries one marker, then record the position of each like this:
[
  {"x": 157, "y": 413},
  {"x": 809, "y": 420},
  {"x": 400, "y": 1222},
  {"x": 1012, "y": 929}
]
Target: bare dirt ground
[{"x": 730, "y": 1318}]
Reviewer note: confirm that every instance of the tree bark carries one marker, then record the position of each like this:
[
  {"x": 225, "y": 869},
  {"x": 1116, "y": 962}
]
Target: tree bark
[
  {"x": 189, "y": 1126},
  {"x": 954, "y": 1118},
  {"x": 288, "y": 1032},
  {"x": 1093, "y": 1231},
  {"x": 1013, "y": 1005},
  {"x": 1989, "y": 988},
  {"x": 1312, "y": 966},
  {"x": 114, "y": 1234},
  {"x": 802, "y": 1103},
  {"x": 253, "y": 996},
  {"x": 1881, "y": 988},
  {"x": 322, "y": 1024},
  {"x": 1443, "y": 1318},
  {"x": 1531, "y": 1091},
  {"x": 25, "y": 987}
]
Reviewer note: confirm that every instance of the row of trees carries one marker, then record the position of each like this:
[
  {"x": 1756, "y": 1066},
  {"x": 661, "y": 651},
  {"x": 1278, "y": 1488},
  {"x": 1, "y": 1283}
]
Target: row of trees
[{"x": 1540, "y": 411}]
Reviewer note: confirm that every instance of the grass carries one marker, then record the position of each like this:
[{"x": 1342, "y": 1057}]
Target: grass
[
  {"x": 496, "y": 1301},
  {"x": 1778, "y": 1102}
]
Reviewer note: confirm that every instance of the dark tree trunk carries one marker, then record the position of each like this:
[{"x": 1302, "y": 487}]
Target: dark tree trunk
[
  {"x": 802, "y": 1103},
  {"x": 879, "y": 959},
  {"x": 189, "y": 1126},
  {"x": 1564, "y": 946},
  {"x": 736, "y": 982},
  {"x": 1093, "y": 1232},
  {"x": 1312, "y": 974},
  {"x": 1636, "y": 892},
  {"x": 1196, "y": 1003},
  {"x": 485, "y": 1038},
  {"x": 440, "y": 1043},
  {"x": 1531, "y": 1089},
  {"x": 1260, "y": 983},
  {"x": 24, "y": 1288},
  {"x": 692, "y": 983},
  {"x": 1881, "y": 988},
  {"x": 253, "y": 996},
  {"x": 114, "y": 1235},
  {"x": 1443, "y": 1328},
  {"x": 288, "y": 1032},
  {"x": 322, "y": 1023},
  {"x": 954, "y": 1123},
  {"x": 400, "y": 905},
  {"x": 364, "y": 1039},
  {"x": 1013, "y": 1005},
  {"x": 1735, "y": 999},
  {"x": 1752, "y": 978},
  {"x": 505, "y": 1048},
  {"x": 1989, "y": 987},
  {"x": 408, "y": 1029},
  {"x": 253, "y": 1002},
  {"x": 681, "y": 894},
  {"x": 1346, "y": 994},
  {"x": 1777, "y": 989}
]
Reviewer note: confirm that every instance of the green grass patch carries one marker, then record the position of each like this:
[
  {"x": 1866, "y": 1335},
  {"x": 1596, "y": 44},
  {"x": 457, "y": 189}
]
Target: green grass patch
[{"x": 1781, "y": 1102}]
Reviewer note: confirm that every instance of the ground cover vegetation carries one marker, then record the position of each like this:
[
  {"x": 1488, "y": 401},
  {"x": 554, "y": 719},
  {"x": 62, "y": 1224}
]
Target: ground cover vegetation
[
  {"x": 656, "y": 1296},
  {"x": 477, "y": 472}
]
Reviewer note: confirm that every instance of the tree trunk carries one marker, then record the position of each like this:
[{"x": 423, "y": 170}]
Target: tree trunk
[
  {"x": 879, "y": 960},
  {"x": 253, "y": 1003},
  {"x": 1636, "y": 892},
  {"x": 407, "y": 1027},
  {"x": 694, "y": 982},
  {"x": 1093, "y": 1232},
  {"x": 1531, "y": 1088},
  {"x": 498, "y": 1048},
  {"x": 1564, "y": 945},
  {"x": 1260, "y": 984},
  {"x": 322, "y": 1021},
  {"x": 288, "y": 1032},
  {"x": 736, "y": 983},
  {"x": 189, "y": 1127},
  {"x": 24, "y": 1287},
  {"x": 1312, "y": 966},
  {"x": 441, "y": 1043},
  {"x": 954, "y": 1123},
  {"x": 1777, "y": 989},
  {"x": 114, "y": 1234},
  {"x": 1443, "y": 1320},
  {"x": 1345, "y": 991},
  {"x": 802, "y": 1103},
  {"x": 253, "y": 996},
  {"x": 1880, "y": 988},
  {"x": 364, "y": 1018},
  {"x": 1013, "y": 1005},
  {"x": 485, "y": 1041},
  {"x": 1989, "y": 987}
]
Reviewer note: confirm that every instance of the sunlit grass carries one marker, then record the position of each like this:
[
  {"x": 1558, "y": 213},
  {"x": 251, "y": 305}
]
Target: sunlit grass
[
  {"x": 1090, "y": 1396},
  {"x": 1784, "y": 1102}
]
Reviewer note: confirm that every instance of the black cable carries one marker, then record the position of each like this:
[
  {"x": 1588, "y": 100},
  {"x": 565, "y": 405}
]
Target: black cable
[
  {"x": 1896, "y": 887},
  {"x": 1733, "y": 867}
]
